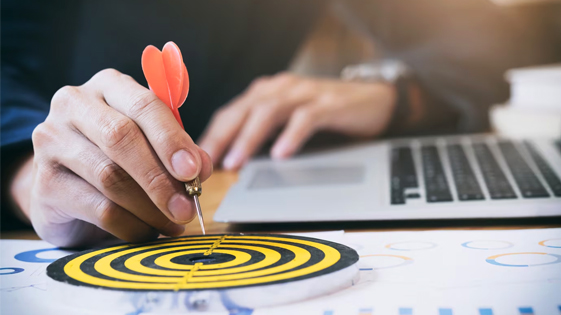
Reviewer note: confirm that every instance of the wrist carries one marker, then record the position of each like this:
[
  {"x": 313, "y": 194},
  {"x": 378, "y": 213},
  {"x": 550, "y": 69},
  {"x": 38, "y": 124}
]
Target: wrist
[
  {"x": 20, "y": 189},
  {"x": 392, "y": 78},
  {"x": 387, "y": 95}
]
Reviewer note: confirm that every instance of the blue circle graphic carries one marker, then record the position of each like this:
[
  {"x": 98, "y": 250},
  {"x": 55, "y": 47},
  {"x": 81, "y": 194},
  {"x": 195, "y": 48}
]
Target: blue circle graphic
[
  {"x": 13, "y": 270},
  {"x": 543, "y": 243},
  {"x": 31, "y": 256},
  {"x": 507, "y": 245},
  {"x": 492, "y": 260}
]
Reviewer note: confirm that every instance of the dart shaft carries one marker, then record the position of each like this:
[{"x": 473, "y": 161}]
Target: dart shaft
[{"x": 199, "y": 213}]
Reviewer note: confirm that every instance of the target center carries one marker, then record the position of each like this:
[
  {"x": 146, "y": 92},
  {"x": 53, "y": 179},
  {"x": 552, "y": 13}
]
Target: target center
[
  {"x": 192, "y": 259},
  {"x": 203, "y": 259}
]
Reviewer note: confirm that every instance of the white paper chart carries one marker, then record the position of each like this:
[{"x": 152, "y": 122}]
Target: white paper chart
[{"x": 403, "y": 273}]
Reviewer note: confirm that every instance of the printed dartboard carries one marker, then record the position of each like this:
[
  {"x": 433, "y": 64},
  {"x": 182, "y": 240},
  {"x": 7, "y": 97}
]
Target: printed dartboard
[{"x": 203, "y": 262}]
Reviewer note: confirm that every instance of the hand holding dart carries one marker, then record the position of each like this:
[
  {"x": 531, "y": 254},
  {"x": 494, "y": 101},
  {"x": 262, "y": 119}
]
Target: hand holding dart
[{"x": 168, "y": 78}]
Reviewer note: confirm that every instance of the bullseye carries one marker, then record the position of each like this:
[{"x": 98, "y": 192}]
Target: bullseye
[{"x": 203, "y": 262}]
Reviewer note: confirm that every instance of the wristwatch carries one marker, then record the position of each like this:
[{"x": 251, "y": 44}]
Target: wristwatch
[{"x": 389, "y": 71}]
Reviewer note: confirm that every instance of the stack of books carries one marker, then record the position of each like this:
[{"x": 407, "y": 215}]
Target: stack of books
[{"x": 534, "y": 108}]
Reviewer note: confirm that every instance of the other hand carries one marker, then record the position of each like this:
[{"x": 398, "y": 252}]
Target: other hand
[{"x": 303, "y": 106}]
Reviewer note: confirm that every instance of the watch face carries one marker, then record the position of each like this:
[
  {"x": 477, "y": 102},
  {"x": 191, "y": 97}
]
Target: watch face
[{"x": 385, "y": 71}]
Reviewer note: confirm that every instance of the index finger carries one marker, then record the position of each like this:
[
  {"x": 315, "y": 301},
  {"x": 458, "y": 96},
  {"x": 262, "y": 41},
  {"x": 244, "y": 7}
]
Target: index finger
[{"x": 175, "y": 148}]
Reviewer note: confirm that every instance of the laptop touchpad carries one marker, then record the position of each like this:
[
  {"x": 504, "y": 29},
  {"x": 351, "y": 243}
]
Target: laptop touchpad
[{"x": 307, "y": 176}]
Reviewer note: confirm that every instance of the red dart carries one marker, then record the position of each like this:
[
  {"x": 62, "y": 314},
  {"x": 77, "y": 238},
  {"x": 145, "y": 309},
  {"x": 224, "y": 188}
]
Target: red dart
[
  {"x": 173, "y": 65},
  {"x": 185, "y": 88},
  {"x": 168, "y": 78},
  {"x": 153, "y": 67},
  {"x": 167, "y": 75}
]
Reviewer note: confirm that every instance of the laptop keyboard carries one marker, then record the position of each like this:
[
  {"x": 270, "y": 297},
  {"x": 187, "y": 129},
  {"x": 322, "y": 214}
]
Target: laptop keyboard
[
  {"x": 495, "y": 178},
  {"x": 464, "y": 177},
  {"x": 403, "y": 174},
  {"x": 436, "y": 185},
  {"x": 468, "y": 186},
  {"x": 548, "y": 174},
  {"x": 526, "y": 180}
]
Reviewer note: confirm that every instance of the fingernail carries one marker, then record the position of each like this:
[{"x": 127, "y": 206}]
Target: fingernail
[
  {"x": 181, "y": 208},
  {"x": 184, "y": 164},
  {"x": 173, "y": 229},
  {"x": 232, "y": 160}
]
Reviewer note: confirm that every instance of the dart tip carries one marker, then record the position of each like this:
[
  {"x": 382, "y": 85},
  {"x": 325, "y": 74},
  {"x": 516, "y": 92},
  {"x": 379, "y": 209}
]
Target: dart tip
[{"x": 199, "y": 213}]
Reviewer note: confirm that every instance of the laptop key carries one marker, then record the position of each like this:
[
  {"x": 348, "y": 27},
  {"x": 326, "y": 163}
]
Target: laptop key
[
  {"x": 464, "y": 178},
  {"x": 403, "y": 174},
  {"x": 495, "y": 179},
  {"x": 436, "y": 185},
  {"x": 413, "y": 196},
  {"x": 528, "y": 183},
  {"x": 547, "y": 172}
]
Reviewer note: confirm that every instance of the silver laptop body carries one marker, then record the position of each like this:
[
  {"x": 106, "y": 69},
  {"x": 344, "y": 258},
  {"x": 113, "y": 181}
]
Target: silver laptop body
[{"x": 475, "y": 176}]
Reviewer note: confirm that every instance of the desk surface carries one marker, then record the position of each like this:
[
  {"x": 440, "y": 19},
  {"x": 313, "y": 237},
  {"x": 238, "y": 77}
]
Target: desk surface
[{"x": 217, "y": 185}]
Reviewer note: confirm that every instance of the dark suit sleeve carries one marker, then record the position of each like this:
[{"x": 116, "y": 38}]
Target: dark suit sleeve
[
  {"x": 458, "y": 50},
  {"x": 23, "y": 105},
  {"x": 35, "y": 35}
]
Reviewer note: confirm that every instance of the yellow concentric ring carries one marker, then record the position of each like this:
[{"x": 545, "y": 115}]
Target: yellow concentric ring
[
  {"x": 240, "y": 258},
  {"x": 161, "y": 273}
]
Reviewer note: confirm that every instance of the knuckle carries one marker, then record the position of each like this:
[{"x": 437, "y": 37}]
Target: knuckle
[
  {"x": 259, "y": 82},
  {"x": 158, "y": 180},
  {"x": 40, "y": 161},
  {"x": 106, "y": 211},
  {"x": 112, "y": 176},
  {"x": 107, "y": 73},
  {"x": 171, "y": 139},
  {"x": 118, "y": 131},
  {"x": 43, "y": 140},
  {"x": 64, "y": 96},
  {"x": 102, "y": 76},
  {"x": 266, "y": 110},
  {"x": 224, "y": 113},
  {"x": 125, "y": 76},
  {"x": 141, "y": 103},
  {"x": 284, "y": 77},
  {"x": 220, "y": 112},
  {"x": 304, "y": 115},
  {"x": 40, "y": 135}
]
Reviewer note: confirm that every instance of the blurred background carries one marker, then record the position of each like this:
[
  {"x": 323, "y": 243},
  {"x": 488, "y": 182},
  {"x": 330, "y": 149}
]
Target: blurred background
[
  {"x": 333, "y": 44},
  {"x": 533, "y": 94}
]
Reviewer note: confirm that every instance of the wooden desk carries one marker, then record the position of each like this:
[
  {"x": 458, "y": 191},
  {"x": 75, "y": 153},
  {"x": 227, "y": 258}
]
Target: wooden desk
[{"x": 215, "y": 188}]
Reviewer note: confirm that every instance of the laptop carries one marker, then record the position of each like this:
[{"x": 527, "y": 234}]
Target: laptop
[{"x": 451, "y": 177}]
